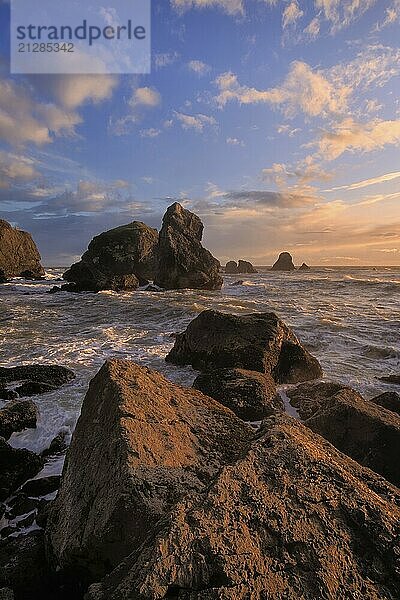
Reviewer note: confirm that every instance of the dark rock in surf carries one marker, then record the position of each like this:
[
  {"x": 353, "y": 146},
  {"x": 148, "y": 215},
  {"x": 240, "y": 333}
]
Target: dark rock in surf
[
  {"x": 231, "y": 268},
  {"x": 394, "y": 379},
  {"x": 256, "y": 342},
  {"x": 3, "y": 278},
  {"x": 249, "y": 394},
  {"x": 304, "y": 267},
  {"x": 145, "y": 443},
  {"x": 23, "y": 567},
  {"x": 237, "y": 269},
  {"x": 18, "y": 253},
  {"x": 35, "y": 379},
  {"x": 119, "y": 260},
  {"x": 42, "y": 486},
  {"x": 364, "y": 431},
  {"x": 388, "y": 400},
  {"x": 291, "y": 518},
  {"x": 6, "y": 394},
  {"x": 16, "y": 466},
  {"x": 6, "y": 594},
  {"x": 284, "y": 263},
  {"x": 17, "y": 415},
  {"x": 57, "y": 445},
  {"x": 237, "y": 283},
  {"x": 183, "y": 263}
]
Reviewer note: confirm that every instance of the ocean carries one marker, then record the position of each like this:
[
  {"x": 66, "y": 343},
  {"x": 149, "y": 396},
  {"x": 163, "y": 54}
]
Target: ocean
[{"x": 347, "y": 317}]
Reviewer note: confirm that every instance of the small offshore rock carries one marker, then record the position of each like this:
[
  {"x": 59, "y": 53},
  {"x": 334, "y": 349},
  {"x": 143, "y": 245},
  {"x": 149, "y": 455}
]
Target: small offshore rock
[
  {"x": 57, "y": 445},
  {"x": 284, "y": 263},
  {"x": 304, "y": 267}
]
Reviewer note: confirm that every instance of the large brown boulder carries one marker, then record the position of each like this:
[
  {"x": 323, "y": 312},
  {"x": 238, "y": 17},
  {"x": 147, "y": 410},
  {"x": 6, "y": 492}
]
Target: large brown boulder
[
  {"x": 256, "y": 342},
  {"x": 291, "y": 518},
  {"x": 284, "y": 263},
  {"x": 368, "y": 433},
  {"x": 16, "y": 466},
  {"x": 18, "y": 253},
  {"x": 141, "y": 443},
  {"x": 182, "y": 260},
  {"x": 119, "y": 259},
  {"x": 249, "y": 394},
  {"x": 16, "y": 416}
]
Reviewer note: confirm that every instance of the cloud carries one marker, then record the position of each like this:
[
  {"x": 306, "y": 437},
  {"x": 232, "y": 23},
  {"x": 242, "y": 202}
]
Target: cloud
[
  {"x": 342, "y": 13},
  {"x": 16, "y": 168},
  {"x": 199, "y": 67},
  {"x": 367, "y": 182},
  {"x": 150, "y": 133},
  {"x": 392, "y": 15},
  {"x": 72, "y": 91},
  {"x": 165, "y": 59},
  {"x": 291, "y": 14},
  {"x": 141, "y": 100},
  {"x": 233, "y": 141},
  {"x": 313, "y": 28},
  {"x": 145, "y": 96},
  {"x": 24, "y": 120},
  {"x": 303, "y": 90},
  {"x": 257, "y": 198},
  {"x": 231, "y": 7},
  {"x": 197, "y": 122},
  {"x": 352, "y": 136},
  {"x": 375, "y": 65}
]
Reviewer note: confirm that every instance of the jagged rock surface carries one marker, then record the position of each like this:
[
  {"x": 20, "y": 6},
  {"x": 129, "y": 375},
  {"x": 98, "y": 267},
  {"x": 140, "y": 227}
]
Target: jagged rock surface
[
  {"x": 364, "y": 431},
  {"x": 141, "y": 443},
  {"x": 33, "y": 379},
  {"x": 119, "y": 259},
  {"x": 292, "y": 518},
  {"x": 182, "y": 260},
  {"x": 16, "y": 466},
  {"x": 388, "y": 400},
  {"x": 250, "y": 395},
  {"x": 284, "y": 263},
  {"x": 18, "y": 253},
  {"x": 16, "y": 416},
  {"x": 256, "y": 342}
]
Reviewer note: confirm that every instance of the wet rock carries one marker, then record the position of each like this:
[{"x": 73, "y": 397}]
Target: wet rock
[
  {"x": 388, "y": 400},
  {"x": 6, "y": 594},
  {"x": 36, "y": 379},
  {"x": 6, "y": 394},
  {"x": 43, "y": 513},
  {"x": 291, "y": 518},
  {"x": 284, "y": 263},
  {"x": 231, "y": 268},
  {"x": 23, "y": 567},
  {"x": 16, "y": 466},
  {"x": 304, "y": 267},
  {"x": 182, "y": 260},
  {"x": 364, "y": 431},
  {"x": 120, "y": 259},
  {"x": 18, "y": 252},
  {"x": 256, "y": 342},
  {"x": 145, "y": 443},
  {"x": 245, "y": 267},
  {"x": 42, "y": 486},
  {"x": 31, "y": 276},
  {"x": 3, "y": 278},
  {"x": 395, "y": 379},
  {"x": 236, "y": 283},
  {"x": 57, "y": 445},
  {"x": 152, "y": 288},
  {"x": 16, "y": 416},
  {"x": 21, "y": 504},
  {"x": 250, "y": 395}
]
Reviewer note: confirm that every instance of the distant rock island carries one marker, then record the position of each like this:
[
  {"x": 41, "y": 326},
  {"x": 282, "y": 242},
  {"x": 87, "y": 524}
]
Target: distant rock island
[
  {"x": 19, "y": 256},
  {"x": 243, "y": 266},
  {"x": 284, "y": 263}
]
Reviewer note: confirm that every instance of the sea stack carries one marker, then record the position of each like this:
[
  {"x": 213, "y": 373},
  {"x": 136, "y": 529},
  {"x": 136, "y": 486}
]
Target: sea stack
[
  {"x": 244, "y": 266},
  {"x": 120, "y": 259},
  {"x": 183, "y": 263},
  {"x": 284, "y": 263},
  {"x": 304, "y": 267},
  {"x": 19, "y": 256}
]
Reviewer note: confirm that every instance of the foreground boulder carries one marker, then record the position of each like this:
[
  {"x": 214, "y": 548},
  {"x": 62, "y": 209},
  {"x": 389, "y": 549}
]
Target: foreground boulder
[
  {"x": 389, "y": 400},
  {"x": 34, "y": 379},
  {"x": 292, "y": 518},
  {"x": 18, "y": 253},
  {"x": 16, "y": 466},
  {"x": 182, "y": 260},
  {"x": 141, "y": 443},
  {"x": 23, "y": 568},
  {"x": 284, "y": 263},
  {"x": 242, "y": 267},
  {"x": 256, "y": 342},
  {"x": 250, "y": 395},
  {"x": 16, "y": 416},
  {"x": 119, "y": 259},
  {"x": 359, "y": 428}
]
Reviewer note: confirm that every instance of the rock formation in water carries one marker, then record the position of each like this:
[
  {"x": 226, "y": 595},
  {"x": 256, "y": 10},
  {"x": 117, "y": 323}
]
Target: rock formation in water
[
  {"x": 32, "y": 380},
  {"x": 119, "y": 259},
  {"x": 291, "y": 518},
  {"x": 16, "y": 466},
  {"x": 17, "y": 415},
  {"x": 18, "y": 254},
  {"x": 3, "y": 278},
  {"x": 140, "y": 444},
  {"x": 364, "y": 431},
  {"x": 304, "y": 267},
  {"x": 233, "y": 268},
  {"x": 284, "y": 263},
  {"x": 250, "y": 395},
  {"x": 394, "y": 379},
  {"x": 256, "y": 342},
  {"x": 183, "y": 263}
]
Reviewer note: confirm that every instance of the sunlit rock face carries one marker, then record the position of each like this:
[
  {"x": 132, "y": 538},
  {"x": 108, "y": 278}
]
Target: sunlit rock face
[{"x": 19, "y": 256}]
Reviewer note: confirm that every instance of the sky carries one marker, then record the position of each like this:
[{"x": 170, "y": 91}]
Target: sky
[{"x": 276, "y": 121}]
